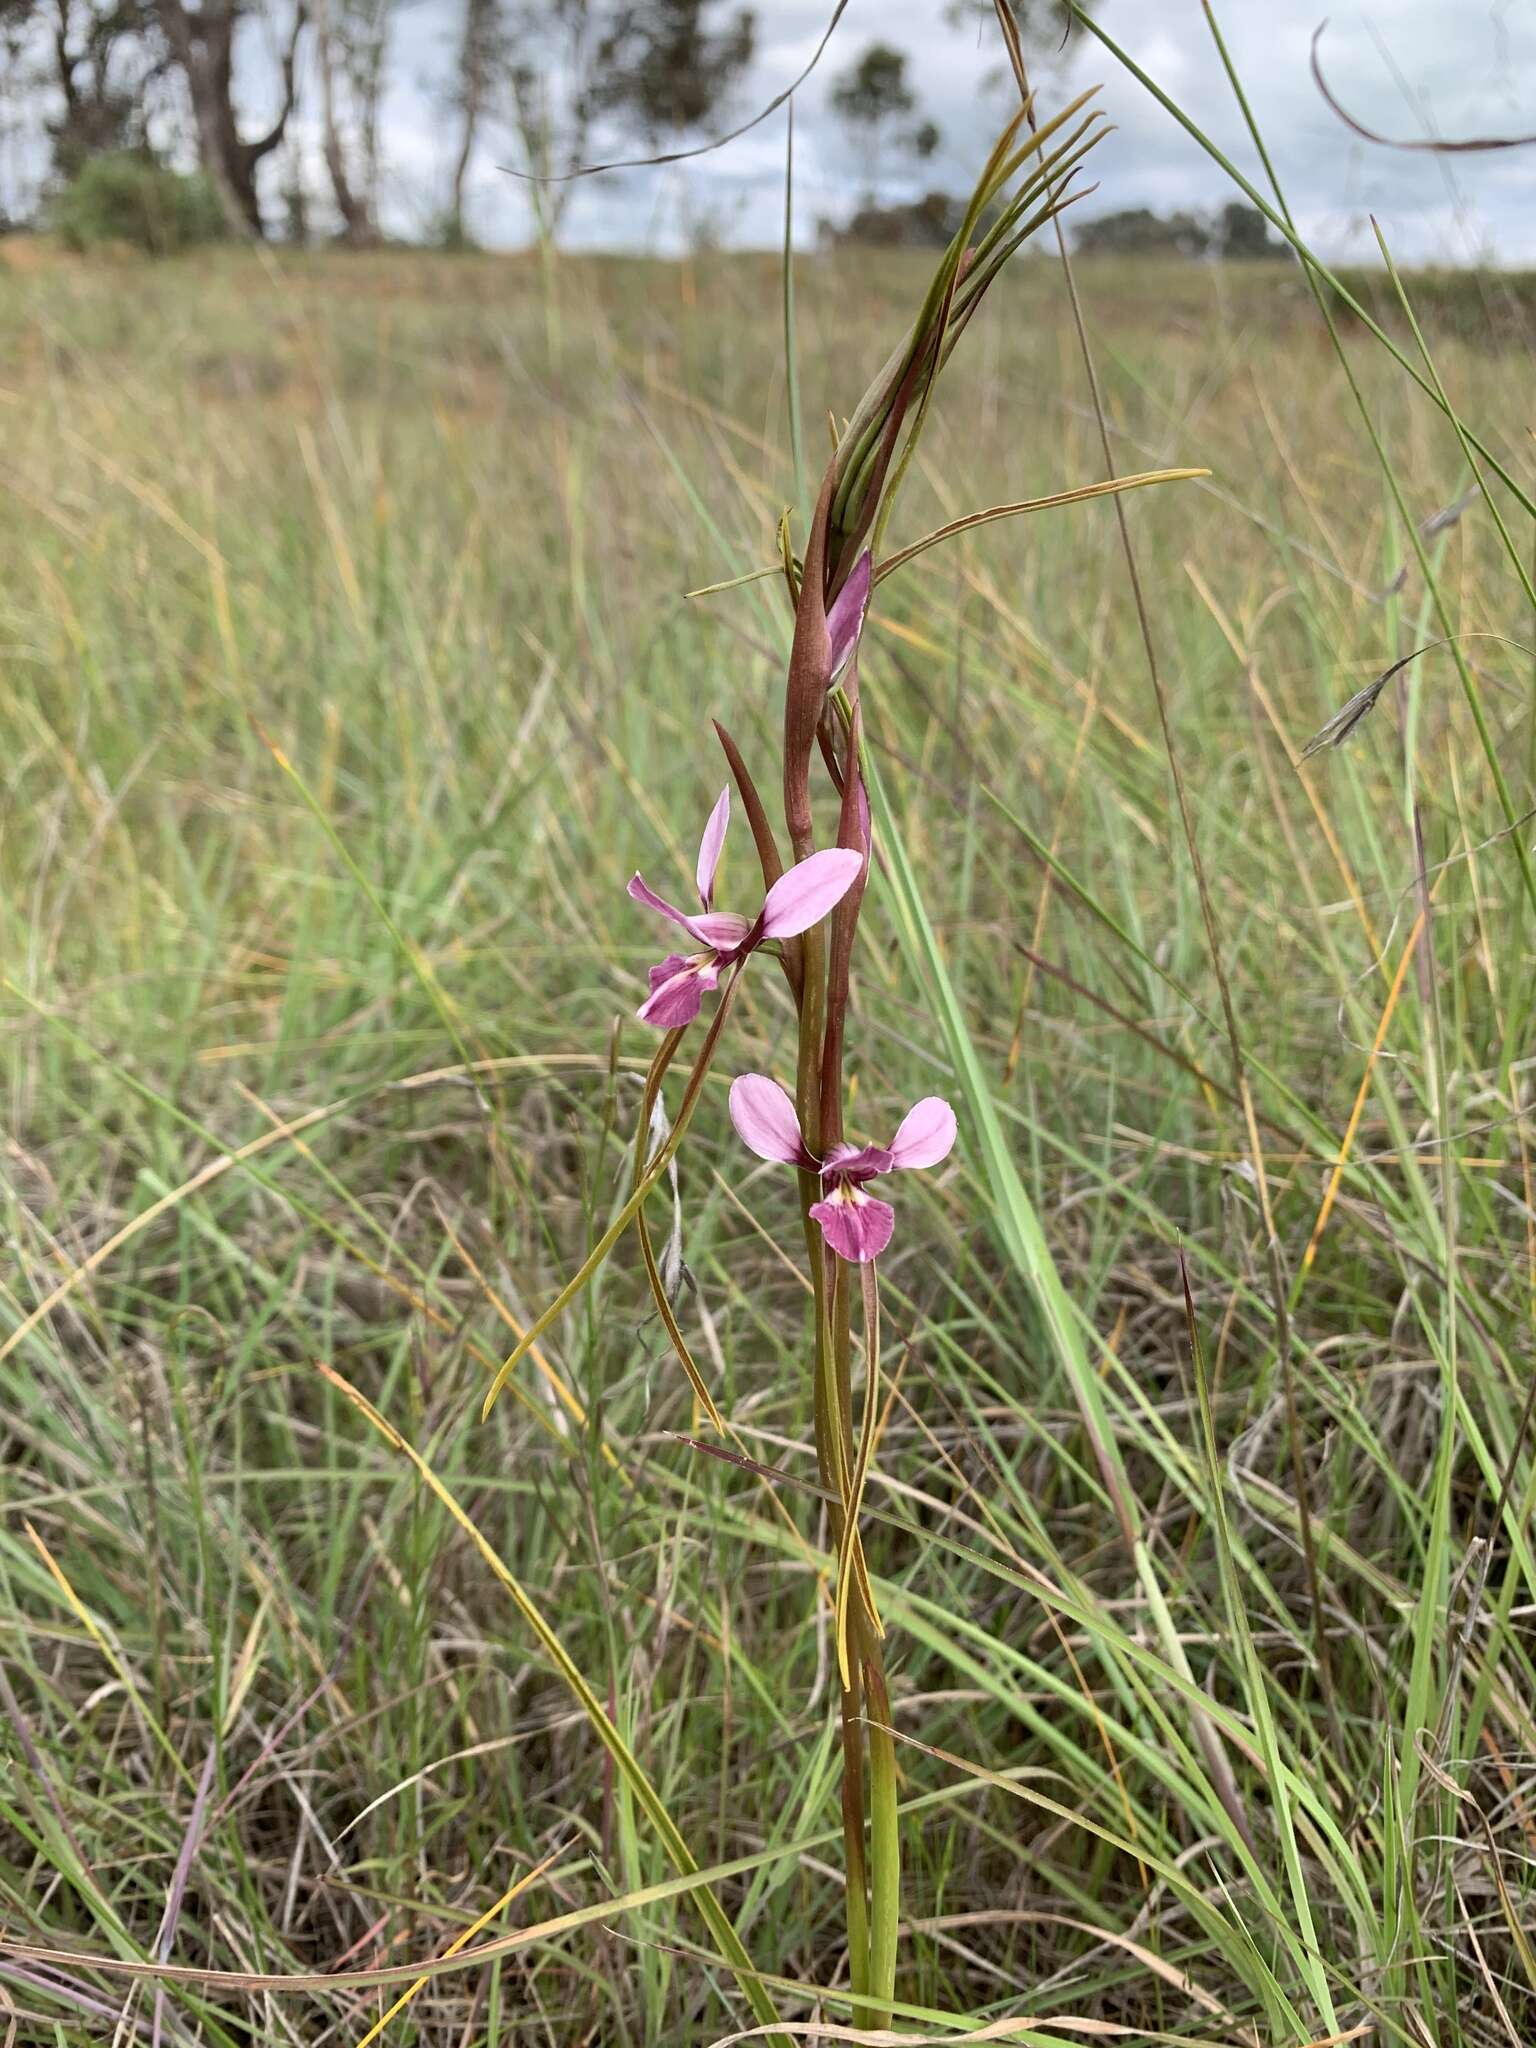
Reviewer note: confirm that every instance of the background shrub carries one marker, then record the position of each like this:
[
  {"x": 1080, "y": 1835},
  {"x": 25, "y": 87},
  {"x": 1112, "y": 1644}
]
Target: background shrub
[{"x": 130, "y": 198}]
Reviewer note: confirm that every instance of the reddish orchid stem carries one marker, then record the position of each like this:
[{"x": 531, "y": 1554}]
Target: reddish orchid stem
[
  {"x": 845, "y": 924},
  {"x": 822, "y": 1006}
]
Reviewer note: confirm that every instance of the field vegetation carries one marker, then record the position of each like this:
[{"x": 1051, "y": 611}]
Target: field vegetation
[{"x": 350, "y": 671}]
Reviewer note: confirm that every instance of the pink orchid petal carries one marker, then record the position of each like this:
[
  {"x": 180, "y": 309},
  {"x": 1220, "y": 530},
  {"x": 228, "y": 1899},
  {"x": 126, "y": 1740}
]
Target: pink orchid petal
[
  {"x": 927, "y": 1132},
  {"x": 859, "y": 1162},
  {"x": 676, "y": 1001},
  {"x": 665, "y": 969},
  {"x": 642, "y": 892},
  {"x": 766, "y": 1122},
  {"x": 845, "y": 619},
  {"x": 810, "y": 889},
  {"x": 857, "y": 1226},
  {"x": 710, "y": 845},
  {"x": 723, "y": 930}
]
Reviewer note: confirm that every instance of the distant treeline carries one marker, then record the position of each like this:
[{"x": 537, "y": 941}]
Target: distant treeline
[
  {"x": 1234, "y": 233},
  {"x": 136, "y": 120},
  {"x": 142, "y": 107},
  {"x": 1486, "y": 306}
]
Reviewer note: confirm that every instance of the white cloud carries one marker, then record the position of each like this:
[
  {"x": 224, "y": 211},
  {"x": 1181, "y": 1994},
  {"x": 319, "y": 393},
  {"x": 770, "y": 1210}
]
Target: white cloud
[{"x": 1408, "y": 67}]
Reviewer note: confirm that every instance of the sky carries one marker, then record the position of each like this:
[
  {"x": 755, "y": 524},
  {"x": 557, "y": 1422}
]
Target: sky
[{"x": 1408, "y": 67}]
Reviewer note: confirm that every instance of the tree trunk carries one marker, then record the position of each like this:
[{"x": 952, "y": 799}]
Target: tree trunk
[
  {"x": 203, "y": 45},
  {"x": 456, "y": 235},
  {"x": 474, "y": 63},
  {"x": 357, "y": 222}
]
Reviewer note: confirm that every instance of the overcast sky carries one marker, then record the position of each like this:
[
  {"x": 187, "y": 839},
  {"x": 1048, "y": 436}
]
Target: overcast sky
[
  {"x": 1409, "y": 67},
  {"x": 1452, "y": 67}
]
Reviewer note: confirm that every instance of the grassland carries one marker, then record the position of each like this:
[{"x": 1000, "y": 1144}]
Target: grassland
[{"x": 349, "y": 673}]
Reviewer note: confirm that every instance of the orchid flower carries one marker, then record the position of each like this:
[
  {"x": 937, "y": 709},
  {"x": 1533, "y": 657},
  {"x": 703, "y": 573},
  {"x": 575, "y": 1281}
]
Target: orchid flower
[
  {"x": 845, "y": 615},
  {"x": 855, "y": 1224},
  {"x": 797, "y": 900}
]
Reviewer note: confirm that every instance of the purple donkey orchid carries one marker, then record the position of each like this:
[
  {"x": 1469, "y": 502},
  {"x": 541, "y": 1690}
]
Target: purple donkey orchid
[
  {"x": 855, "y": 1224},
  {"x": 797, "y": 900}
]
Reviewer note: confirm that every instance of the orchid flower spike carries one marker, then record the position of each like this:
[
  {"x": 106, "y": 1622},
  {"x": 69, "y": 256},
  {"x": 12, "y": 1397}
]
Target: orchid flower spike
[
  {"x": 797, "y": 900},
  {"x": 855, "y": 1224}
]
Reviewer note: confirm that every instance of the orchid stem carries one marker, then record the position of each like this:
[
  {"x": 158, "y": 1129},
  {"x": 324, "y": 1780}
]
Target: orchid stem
[
  {"x": 864, "y": 1634},
  {"x": 857, "y": 1877},
  {"x": 884, "y": 1842},
  {"x": 872, "y": 1881},
  {"x": 834, "y": 1450}
]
